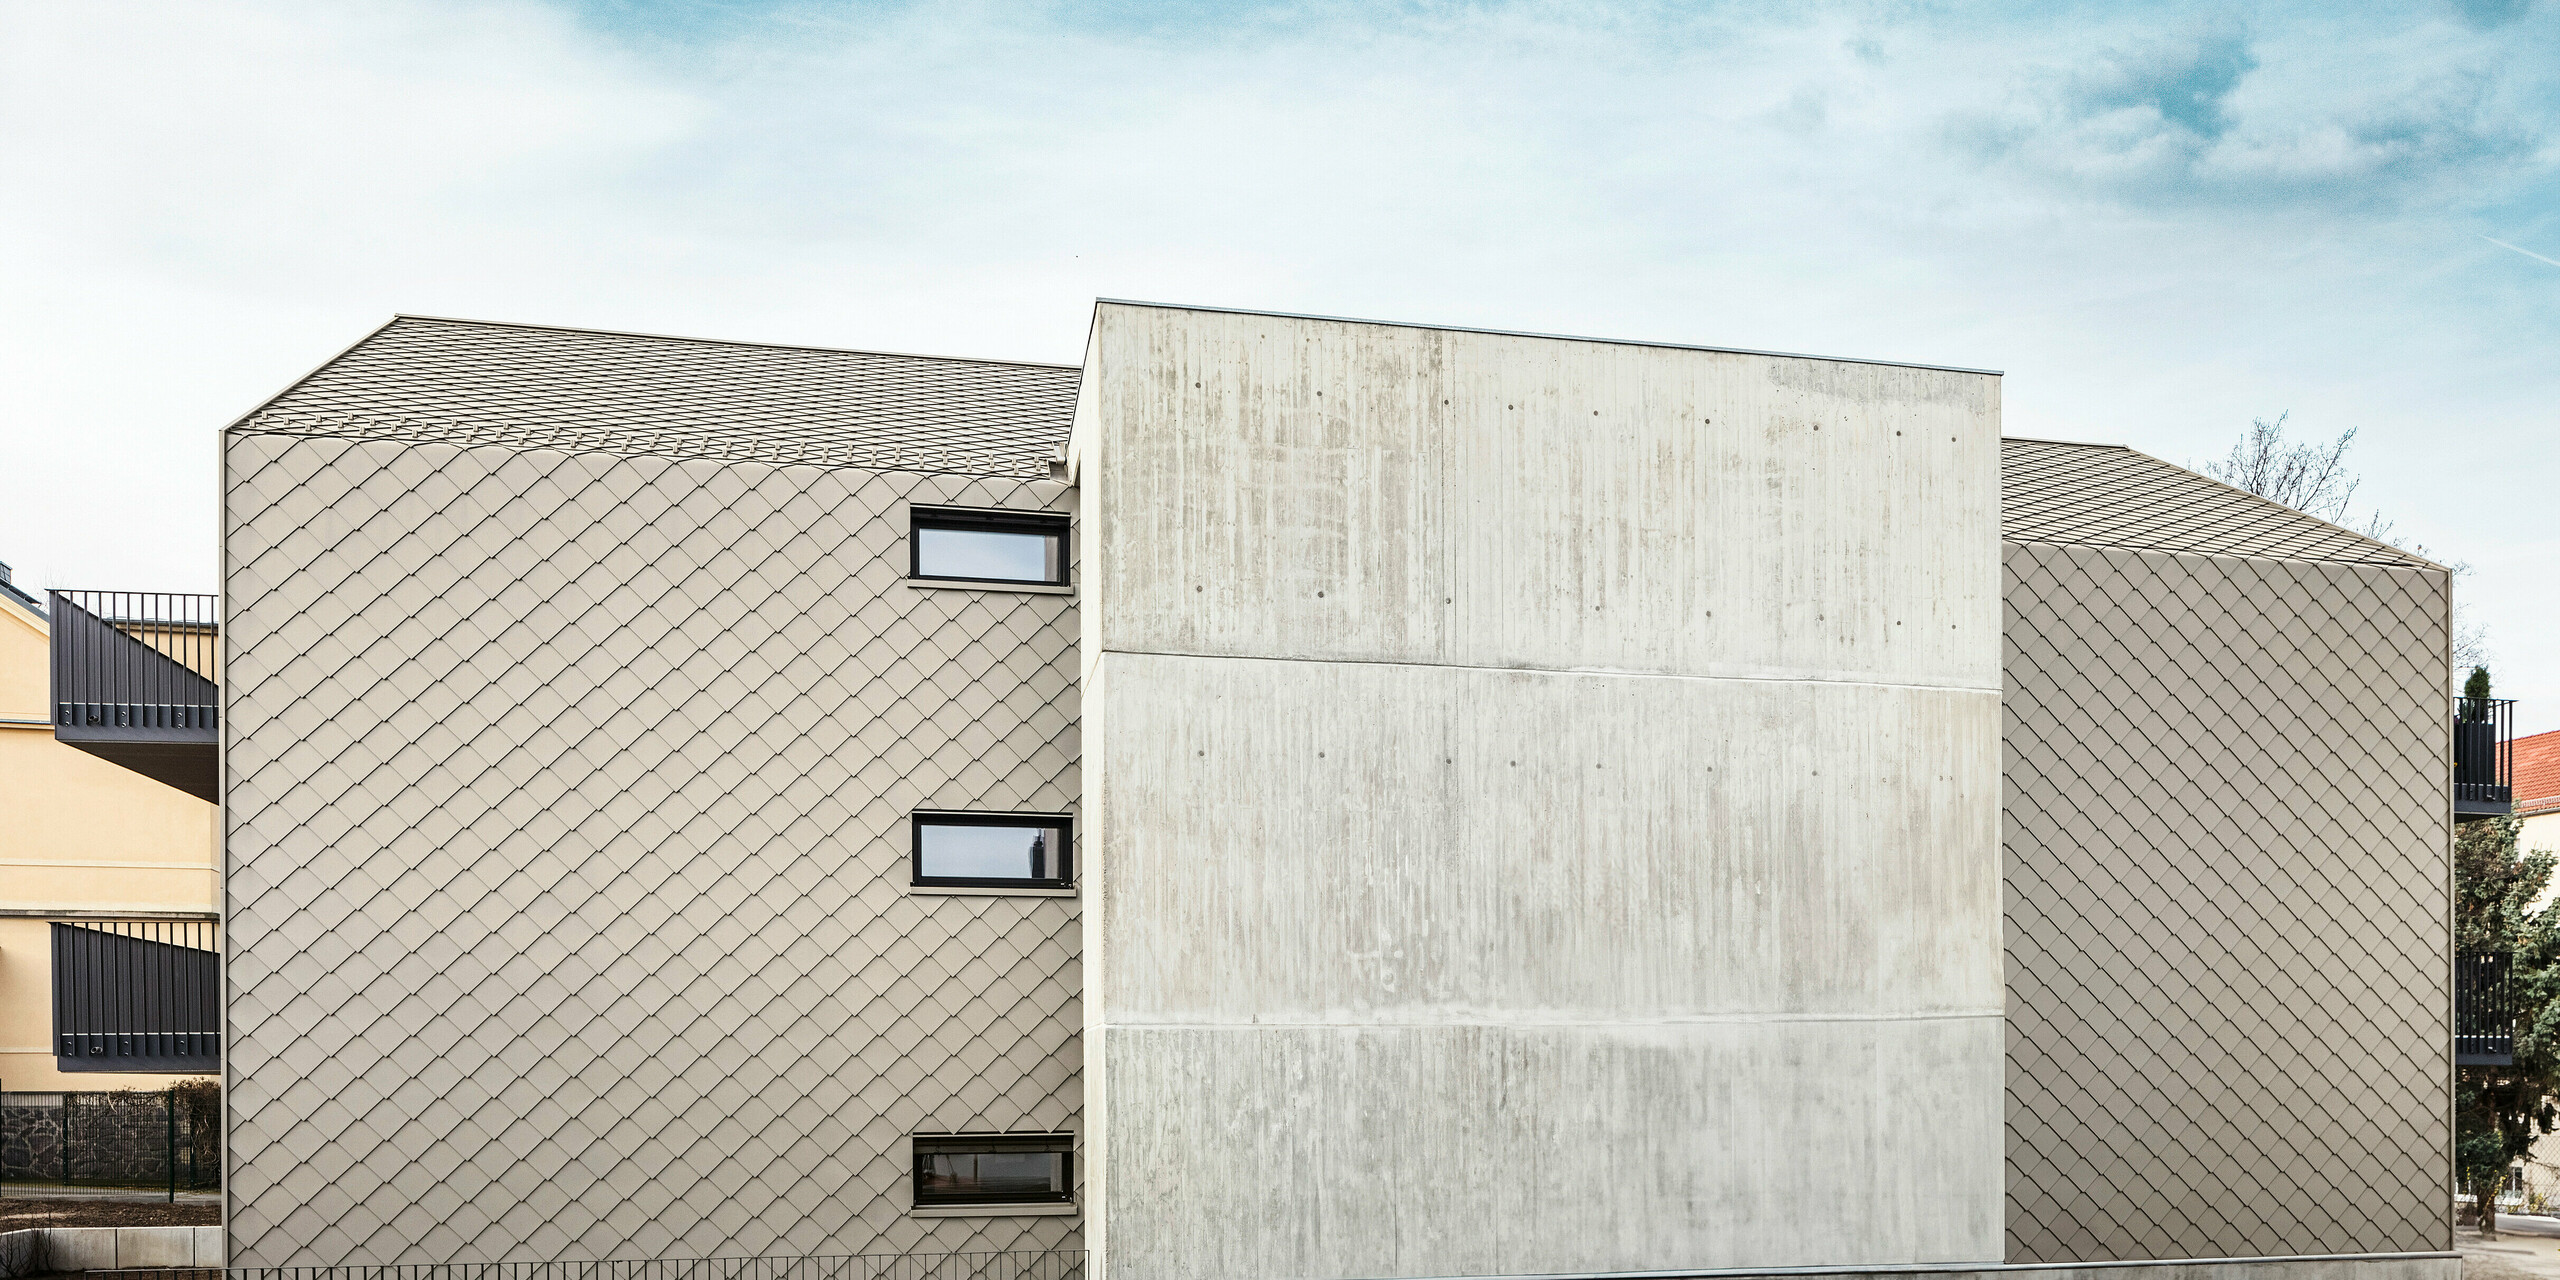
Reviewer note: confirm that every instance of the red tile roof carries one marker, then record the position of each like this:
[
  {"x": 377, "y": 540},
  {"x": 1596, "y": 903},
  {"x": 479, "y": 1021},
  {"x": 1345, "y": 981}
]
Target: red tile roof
[{"x": 2538, "y": 772}]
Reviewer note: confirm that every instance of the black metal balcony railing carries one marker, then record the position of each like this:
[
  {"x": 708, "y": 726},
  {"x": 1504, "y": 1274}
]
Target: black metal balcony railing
[
  {"x": 2484, "y": 1027},
  {"x": 134, "y": 681},
  {"x": 2484, "y": 765},
  {"x": 137, "y": 995}
]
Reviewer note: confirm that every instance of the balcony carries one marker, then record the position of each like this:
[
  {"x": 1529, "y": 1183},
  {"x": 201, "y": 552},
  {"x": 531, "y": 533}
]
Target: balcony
[
  {"x": 137, "y": 995},
  {"x": 2484, "y": 1028},
  {"x": 2484, "y": 761},
  {"x": 134, "y": 677}
]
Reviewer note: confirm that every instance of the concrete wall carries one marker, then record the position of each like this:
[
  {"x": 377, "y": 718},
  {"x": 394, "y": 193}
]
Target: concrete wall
[
  {"x": 82, "y": 837},
  {"x": 53, "y": 1250},
  {"x": 568, "y": 857},
  {"x": 2226, "y": 862},
  {"x": 1544, "y": 803}
]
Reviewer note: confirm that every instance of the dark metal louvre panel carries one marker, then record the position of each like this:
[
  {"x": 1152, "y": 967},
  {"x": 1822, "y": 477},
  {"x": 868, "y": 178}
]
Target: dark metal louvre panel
[
  {"x": 2484, "y": 1024},
  {"x": 129, "y": 662},
  {"x": 472, "y": 384},
  {"x": 137, "y": 995},
  {"x": 2484, "y": 757},
  {"x": 2108, "y": 496}
]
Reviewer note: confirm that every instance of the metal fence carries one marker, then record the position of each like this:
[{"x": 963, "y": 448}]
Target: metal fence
[
  {"x": 2484, "y": 1024},
  {"x": 163, "y": 1140},
  {"x": 138, "y": 995},
  {"x": 134, "y": 660},
  {"x": 2484, "y": 767},
  {"x": 1049, "y": 1264}
]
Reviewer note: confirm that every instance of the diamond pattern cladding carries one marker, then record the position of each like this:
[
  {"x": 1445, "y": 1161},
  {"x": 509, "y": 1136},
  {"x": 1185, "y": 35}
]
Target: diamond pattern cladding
[
  {"x": 567, "y": 849},
  {"x": 2106, "y": 496},
  {"x": 2225, "y": 864},
  {"x": 521, "y": 386}
]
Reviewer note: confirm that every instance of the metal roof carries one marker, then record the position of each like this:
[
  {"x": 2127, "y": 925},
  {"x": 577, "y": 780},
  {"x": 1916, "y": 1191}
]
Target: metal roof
[
  {"x": 2110, "y": 496},
  {"x": 19, "y": 594},
  {"x": 467, "y": 382}
]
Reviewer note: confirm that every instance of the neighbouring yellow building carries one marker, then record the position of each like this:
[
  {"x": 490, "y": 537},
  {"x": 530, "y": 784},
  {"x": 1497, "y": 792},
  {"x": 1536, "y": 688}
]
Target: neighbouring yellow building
[{"x": 81, "y": 841}]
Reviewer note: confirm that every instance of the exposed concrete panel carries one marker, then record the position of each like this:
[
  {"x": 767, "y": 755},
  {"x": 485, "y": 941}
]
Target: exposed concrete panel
[
  {"x": 1344, "y": 1151},
  {"x": 1542, "y": 803},
  {"x": 1296, "y": 488},
  {"x": 1351, "y": 842}
]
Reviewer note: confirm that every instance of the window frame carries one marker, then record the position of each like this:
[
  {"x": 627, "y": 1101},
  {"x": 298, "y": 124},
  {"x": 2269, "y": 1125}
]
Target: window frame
[
  {"x": 1061, "y": 1145},
  {"x": 921, "y": 517},
  {"x": 918, "y": 820}
]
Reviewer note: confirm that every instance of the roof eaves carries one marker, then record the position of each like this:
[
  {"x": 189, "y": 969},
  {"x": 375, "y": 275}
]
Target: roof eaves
[{"x": 14, "y": 595}]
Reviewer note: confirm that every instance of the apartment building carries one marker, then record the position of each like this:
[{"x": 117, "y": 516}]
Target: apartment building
[
  {"x": 104, "y": 872},
  {"x": 1303, "y": 797}
]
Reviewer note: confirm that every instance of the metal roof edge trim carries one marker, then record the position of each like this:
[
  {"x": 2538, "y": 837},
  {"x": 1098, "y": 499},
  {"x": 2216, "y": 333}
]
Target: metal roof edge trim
[
  {"x": 2068, "y": 444},
  {"x": 2415, "y": 560},
  {"x": 1527, "y": 333},
  {"x": 722, "y": 342},
  {"x": 308, "y": 374},
  {"x": 2410, "y": 563}
]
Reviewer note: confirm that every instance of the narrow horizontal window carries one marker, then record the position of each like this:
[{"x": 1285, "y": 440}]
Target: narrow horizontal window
[
  {"x": 994, "y": 1168},
  {"x": 958, "y": 544},
  {"x": 994, "y": 850}
]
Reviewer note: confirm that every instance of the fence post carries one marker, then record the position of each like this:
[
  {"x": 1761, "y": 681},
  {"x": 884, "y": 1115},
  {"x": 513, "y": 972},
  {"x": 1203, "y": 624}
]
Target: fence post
[
  {"x": 173, "y": 1144},
  {"x": 67, "y": 1096}
]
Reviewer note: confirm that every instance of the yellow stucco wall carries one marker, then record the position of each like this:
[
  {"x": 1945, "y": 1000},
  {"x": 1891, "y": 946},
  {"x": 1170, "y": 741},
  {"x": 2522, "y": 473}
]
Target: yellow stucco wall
[
  {"x": 77, "y": 835},
  {"x": 2541, "y": 831}
]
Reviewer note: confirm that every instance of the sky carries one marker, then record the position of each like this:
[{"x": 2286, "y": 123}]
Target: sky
[{"x": 2161, "y": 222}]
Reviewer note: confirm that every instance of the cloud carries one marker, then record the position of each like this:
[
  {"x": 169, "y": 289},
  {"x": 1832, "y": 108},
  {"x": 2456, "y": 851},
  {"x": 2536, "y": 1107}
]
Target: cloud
[
  {"x": 2163, "y": 222},
  {"x": 2218, "y": 115},
  {"x": 2178, "y": 86},
  {"x": 2490, "y": 14}
]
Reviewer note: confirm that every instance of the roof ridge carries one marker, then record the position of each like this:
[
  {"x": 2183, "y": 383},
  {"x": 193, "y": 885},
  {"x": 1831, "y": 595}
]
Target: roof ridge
[{"x": 722, "y": 342}]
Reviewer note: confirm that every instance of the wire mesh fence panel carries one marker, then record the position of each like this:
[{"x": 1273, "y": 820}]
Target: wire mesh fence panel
[
  {"x": 164, "y": 1140},
  {"x": 1019, "y": 1264}
]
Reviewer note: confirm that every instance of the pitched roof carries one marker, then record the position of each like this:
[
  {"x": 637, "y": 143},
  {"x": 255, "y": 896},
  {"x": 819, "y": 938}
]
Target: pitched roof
[
  {"x": 2537, "y": 777},
  {"x": 464, "y": 382},
  {"x": 17, "y": 593},
  {"x": 2111, "y": 496}
]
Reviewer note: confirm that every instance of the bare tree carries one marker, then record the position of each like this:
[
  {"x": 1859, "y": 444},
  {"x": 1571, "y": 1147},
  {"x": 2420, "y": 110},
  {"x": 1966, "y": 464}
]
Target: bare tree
[{"x": 2312, "y": 477}]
